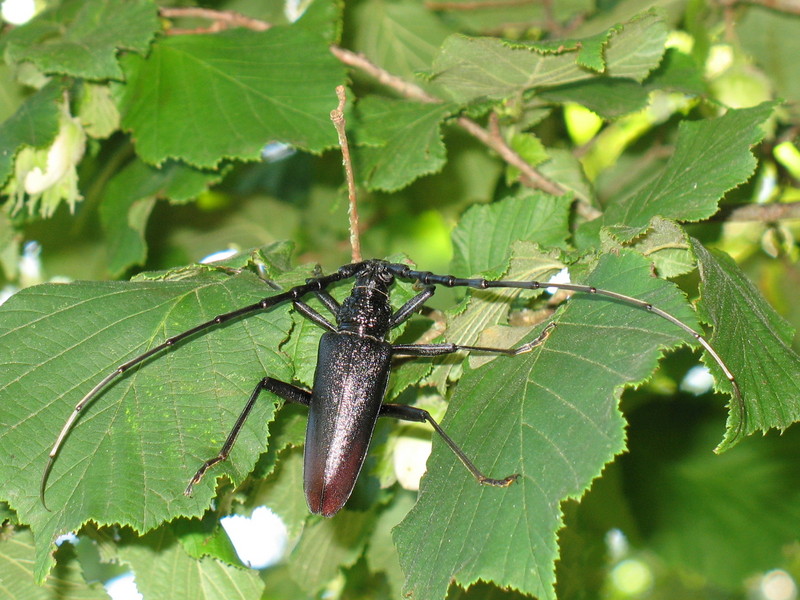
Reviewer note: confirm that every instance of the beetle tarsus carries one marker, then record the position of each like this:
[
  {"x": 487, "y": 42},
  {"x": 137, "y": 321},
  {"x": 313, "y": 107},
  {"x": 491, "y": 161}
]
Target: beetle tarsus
[{"x": 499, "y": 482}]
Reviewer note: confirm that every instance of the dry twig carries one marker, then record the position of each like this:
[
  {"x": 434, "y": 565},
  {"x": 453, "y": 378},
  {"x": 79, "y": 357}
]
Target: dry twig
[{"x": 337, "y": 116}]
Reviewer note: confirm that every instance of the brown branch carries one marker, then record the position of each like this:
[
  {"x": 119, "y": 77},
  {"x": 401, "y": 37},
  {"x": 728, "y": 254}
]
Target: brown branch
[
  {"x": 401, "y": 86},
  {"x": 222, "y": 19},
  {"x": 476, "y": 4},
  {"x": 786, "y": 6},
  {"x": 337, "y": 116},
  {"x": 766, "y": 213},
  {"x": 529, "y": 176}
]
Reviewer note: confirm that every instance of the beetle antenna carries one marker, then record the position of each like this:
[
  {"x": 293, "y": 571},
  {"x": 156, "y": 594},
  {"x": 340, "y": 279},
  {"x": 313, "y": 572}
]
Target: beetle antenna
[
  {"x": 428, "y": 278},
  {"x": 314, "y": 284}
]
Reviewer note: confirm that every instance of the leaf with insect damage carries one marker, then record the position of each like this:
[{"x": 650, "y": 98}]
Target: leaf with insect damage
[
  {"x": 550, "y": 415},
  {"x": 205, "y": 98},
  {"x": 756, "y": 342},
  {"x": 132, "y": 451}
]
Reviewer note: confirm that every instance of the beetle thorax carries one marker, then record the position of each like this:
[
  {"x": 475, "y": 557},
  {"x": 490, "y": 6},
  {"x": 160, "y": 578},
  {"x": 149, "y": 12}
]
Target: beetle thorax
[{"x": 367, "y": 311}]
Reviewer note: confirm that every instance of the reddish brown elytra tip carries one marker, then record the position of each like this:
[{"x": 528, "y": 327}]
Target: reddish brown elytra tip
[{"x": 325, "y": 500}]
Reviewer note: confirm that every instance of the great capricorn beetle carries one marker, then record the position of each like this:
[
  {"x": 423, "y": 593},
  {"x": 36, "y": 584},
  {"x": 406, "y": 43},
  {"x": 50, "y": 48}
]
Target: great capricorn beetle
[{"x": 353, "y": 366}]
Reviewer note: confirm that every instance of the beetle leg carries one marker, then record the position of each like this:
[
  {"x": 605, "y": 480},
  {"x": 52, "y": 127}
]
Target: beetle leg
[
  {"x": 330, "y": 302},
  {"x": 287, "y": 391},
  {"x": 418, "y": 415},
  {"x": 404, "y": 312},
  {"x": 312, "y": 315},
  {"x": 439, "y": 349}
]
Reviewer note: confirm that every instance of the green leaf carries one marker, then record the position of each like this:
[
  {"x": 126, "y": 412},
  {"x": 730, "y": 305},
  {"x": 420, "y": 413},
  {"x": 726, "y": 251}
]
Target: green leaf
[
  {"x": 81, "y": 38},
  {"x": 10, "y": 242},
  {"x": 34, "y": 124},
  {"x": 489, "y": 308},
  {"x": 322, "y": 17},
  {"x": 283, "y": 493},
  {"x": 565, "y": 168},
  {"x": 711, "y": 157},
  {"x": 6, "y": 514},
  {"x": 482, "y": 240},
  {"x": 692, "y": 505},
  {"x": 399, "y": 141},
  {"x": 11, "y": 92},
  {"x": 550, "y": 415},
  {"x": 755, "y": 342},
  {"x": 759, "y": 28},
  {"x": 97, "y": 110},
  {"x": 129, "y": 198},
  {"x": 130, "y": 455},
  {"x": 666, "y": 244},
  {"x": 302, "y": 348},
  {"x": 607, "y": 96},
  {"x": 473, "y": 68},
  {"x": 206, "y": 537},
  {"x": 401, "y": 36},
  {"x": 679, "y": 72},
  {"x": 159, "y": 561},
  {"x": 16, "y": 572},
  {"x": 204, "y": 98},
  {"x": 327, "y": 545},
  {"x": 498, "y": 15},
  {"x": 381, "y": 554}
]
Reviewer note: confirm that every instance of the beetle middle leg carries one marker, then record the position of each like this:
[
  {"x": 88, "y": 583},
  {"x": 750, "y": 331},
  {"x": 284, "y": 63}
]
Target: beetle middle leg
[
  {"x": 287, "y": 391},
  {"x": 447, "y": 348},
  {"x": 412, "y": 413}
]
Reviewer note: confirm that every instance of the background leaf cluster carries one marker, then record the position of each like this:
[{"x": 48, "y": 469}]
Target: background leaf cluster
[{"x": 650, "y": 147}]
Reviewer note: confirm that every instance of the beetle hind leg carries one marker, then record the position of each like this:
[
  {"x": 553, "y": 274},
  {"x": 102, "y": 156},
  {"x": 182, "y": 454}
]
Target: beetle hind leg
[{"x": 418, "y": 415}]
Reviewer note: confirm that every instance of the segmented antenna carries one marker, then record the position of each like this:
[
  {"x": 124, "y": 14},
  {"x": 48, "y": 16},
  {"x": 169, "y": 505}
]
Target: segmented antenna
[{"x": 428, "y": 278}]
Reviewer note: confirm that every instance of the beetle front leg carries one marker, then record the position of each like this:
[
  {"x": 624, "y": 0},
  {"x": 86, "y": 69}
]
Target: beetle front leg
[{"x": 287, "y": 391}]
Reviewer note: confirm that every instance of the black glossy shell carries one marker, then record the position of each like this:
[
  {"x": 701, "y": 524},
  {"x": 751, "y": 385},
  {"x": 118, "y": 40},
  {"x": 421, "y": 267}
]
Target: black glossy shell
[{"x": 349, "y": 385}]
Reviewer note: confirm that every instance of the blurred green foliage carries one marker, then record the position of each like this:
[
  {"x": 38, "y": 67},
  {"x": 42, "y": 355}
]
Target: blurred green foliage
[{"x": 619, "y": 138}]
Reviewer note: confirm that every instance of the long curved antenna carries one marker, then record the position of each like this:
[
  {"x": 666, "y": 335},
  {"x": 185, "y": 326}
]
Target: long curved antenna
[
  {"x": 313, "y": 284},
  {"x": 428, "y": 278}
]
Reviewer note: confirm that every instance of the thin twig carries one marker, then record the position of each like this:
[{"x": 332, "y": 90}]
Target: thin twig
[
  {"x": 765, "y": 213},
  {"x": 221, "y": 18},
  {"x": 337, "y": 116},
  {"x": 401, "y": 86},
  {"x": 786, "y": 6},
  {"x": 529, "y": 176},
  {"x": 475, "y": 4}
]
